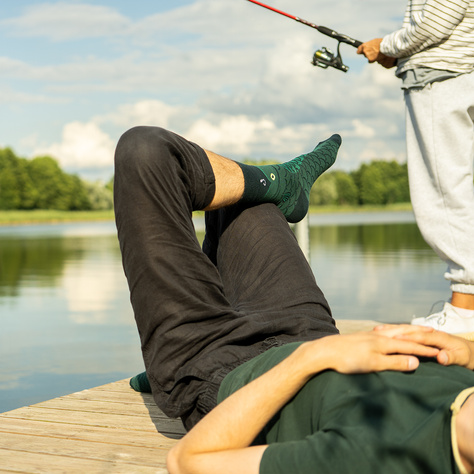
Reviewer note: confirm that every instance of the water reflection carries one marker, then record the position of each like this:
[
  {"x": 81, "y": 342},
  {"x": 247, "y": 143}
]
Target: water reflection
[
  {"x": 67, "y": 323},
  {"x": 384, "y": 272}
]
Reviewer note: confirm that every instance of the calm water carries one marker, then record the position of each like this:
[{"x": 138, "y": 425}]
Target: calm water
[{"x": 67, "y": 323}]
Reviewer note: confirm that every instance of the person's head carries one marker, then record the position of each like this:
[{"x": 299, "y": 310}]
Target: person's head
[{"x": 465, "y": 433}]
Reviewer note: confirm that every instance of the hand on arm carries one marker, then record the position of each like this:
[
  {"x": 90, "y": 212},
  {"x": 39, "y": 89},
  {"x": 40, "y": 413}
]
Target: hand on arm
[
  {"x": 453, "y": 350},
  {"x": 220, "y": 442}
]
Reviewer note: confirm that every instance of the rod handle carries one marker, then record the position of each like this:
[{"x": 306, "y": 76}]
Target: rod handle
[{"x": 340, "y": 37}]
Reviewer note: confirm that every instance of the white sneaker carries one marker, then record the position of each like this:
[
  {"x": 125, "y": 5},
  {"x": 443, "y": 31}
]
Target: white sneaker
[{"x": 450, "y": 321}]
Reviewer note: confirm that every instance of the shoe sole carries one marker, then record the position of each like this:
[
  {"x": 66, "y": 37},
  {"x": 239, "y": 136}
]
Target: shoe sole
[{"x": 466, "y": 335}]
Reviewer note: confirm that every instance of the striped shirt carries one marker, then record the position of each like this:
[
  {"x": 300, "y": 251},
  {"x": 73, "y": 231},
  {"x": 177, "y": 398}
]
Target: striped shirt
[{"x": 438, "y": 34}]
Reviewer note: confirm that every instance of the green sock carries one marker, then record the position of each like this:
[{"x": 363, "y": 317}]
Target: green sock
[
  {"x": 140, "y": 383},
  {"x": 288, "y": 184}
]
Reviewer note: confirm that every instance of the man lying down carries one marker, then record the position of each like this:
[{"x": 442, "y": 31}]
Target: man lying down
[{"x": 238, "y": 339}]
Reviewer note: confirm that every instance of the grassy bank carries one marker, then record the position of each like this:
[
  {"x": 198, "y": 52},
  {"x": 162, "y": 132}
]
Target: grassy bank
[
  {"x": 402, "y": 206},
  {"x": 52, "y": 216}
]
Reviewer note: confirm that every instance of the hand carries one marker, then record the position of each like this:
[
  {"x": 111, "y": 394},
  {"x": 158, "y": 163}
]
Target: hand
[
  {"x": 371, "y": 351},
  {"x": 386, "y": 61},
  {"x": 453, "y": 350},
  {"x": 371, "y": 50}
]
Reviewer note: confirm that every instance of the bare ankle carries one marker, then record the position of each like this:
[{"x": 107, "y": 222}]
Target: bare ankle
[{"x": 462, "y": 300}]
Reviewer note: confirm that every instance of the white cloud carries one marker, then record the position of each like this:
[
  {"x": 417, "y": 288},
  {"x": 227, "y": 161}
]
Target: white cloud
[
  {"x": 234, "y": 133},
  {"x": 9, "y": 96},
  {"x": 360, "y": 130},
  {"x": 232, "y": 76},
  {"x": 83, "y": 145},
  {"x": 146, "y": 112},
  {"x": 64, "y": 21}
]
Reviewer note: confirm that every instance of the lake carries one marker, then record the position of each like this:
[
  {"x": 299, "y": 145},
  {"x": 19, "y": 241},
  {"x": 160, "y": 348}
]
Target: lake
[{"x": 67, "y": 322}]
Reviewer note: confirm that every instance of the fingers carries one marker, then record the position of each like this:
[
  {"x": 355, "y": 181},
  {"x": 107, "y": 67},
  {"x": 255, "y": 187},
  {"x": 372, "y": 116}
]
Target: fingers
[
  {"x": 443, "y": 358},
  {"x": 409, "y": 347},
  {"x": 401, "y": 363},
  {"x": 394, "y": 330},
  {"x": 407, "y": 340},
  {"x": 370, "y": 49},
  {"x": 367, "y": 51},
  {"x": 453, "y": 350},
  {"x": 369, "y": 351},
  {"x": 427, "y": 336}
]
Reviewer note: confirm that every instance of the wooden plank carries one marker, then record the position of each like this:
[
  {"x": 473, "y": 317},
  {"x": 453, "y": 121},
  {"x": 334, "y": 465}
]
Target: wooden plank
[
  {"x": 105, "y": 420},
  {"x": 86, "y": 433},
  {"x": 118, "y": 386},
  {"x": 78, "y": 449},
  {"x": 110, "y": 428},
  {"x": 34, "y": 463},
  {"x": 114, "y": 396},
  {"x": 99, "y": 406}
]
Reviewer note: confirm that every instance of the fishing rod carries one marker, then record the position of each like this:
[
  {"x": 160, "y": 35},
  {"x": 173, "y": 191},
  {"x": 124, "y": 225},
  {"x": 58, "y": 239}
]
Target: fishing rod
[{"x": 323, "y": 57}]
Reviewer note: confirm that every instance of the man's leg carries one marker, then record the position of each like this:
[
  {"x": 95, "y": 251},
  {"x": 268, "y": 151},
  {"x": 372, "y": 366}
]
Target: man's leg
[
  {"x": 191, "y": 336},
  {"x": 440, "y": 161},
  {"x": 265, "y": 275},
  {"x": 175, "y": 291},
  {"x": 287, "y": 185}
]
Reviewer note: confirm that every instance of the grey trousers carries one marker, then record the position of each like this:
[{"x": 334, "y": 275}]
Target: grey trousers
[
  {"x": 440, "y": 150},
  {"x": 202, "y": 312}
]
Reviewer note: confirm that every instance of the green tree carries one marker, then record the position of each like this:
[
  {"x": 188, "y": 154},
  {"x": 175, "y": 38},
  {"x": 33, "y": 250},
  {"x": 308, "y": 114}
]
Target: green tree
[
  {"x": 397, "y": 187},
  {"x": 100, "y": 196},
  {"x": 76, "y": 197},
  {"x": 9, "y": 195},
  {"x": 16, "y": 189},
  {"x": 371, "y": 185},
  {"x": 110, "y": 184},
  {"x": 49, "y": 180},
  {"x": 382, "y": 182},
  {"x": 347, "y": 192},
  {"x": 56, "y": 189},
  {"x": 324, "y": 191}
]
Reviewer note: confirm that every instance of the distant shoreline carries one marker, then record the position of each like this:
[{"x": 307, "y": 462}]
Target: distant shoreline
[
  {"x": 17, "y": 217},
  {"x": 52, "y": 217}
]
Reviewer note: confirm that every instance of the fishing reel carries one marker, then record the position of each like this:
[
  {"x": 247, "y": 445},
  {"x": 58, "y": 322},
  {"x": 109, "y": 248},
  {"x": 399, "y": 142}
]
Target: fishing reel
[{"x": 325, "y": 57}]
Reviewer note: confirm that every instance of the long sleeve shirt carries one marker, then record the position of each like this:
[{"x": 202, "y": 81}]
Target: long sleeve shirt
[{"x": 437, "y": 34}]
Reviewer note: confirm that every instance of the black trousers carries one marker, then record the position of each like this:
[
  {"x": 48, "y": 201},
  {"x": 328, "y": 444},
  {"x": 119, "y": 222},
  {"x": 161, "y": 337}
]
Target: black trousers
[{"x": 202, "y": 312}]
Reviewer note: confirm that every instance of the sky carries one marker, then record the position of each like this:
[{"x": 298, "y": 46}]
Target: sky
[{"x": 227, "y": 74}]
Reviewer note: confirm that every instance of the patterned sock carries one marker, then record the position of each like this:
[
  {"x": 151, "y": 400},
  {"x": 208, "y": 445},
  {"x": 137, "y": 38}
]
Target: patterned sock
[
  {"x": 288, "y": 184},
  {"x": 140, "y": 383}
]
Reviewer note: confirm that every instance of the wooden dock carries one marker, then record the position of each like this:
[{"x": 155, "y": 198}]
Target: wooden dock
[
  {"x": 110, "y": 428},
  {"x": 107, "y": 429}
]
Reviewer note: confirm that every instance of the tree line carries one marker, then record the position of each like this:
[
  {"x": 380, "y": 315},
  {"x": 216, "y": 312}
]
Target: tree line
[
  {"x": 376, "y": 183},
  {"x": 40, "y": 183}
]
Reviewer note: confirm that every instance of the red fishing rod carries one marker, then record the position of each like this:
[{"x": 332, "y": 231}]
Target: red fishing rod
[{"x": 323, "y": 57}]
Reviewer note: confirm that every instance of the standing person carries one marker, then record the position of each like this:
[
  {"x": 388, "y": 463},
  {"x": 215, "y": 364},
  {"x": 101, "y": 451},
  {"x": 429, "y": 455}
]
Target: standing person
[
  {"x": 245, "y": 315},
  {"x": 434, "y": 55}
]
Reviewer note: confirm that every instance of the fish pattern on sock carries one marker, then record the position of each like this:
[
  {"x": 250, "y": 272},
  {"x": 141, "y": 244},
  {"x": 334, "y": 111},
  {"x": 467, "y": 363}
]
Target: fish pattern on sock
[{"x": 288, "y": 185}]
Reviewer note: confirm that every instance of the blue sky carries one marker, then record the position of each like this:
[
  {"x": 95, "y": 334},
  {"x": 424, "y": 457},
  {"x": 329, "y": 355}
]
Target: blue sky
[{"x": 228, "y": 74}]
